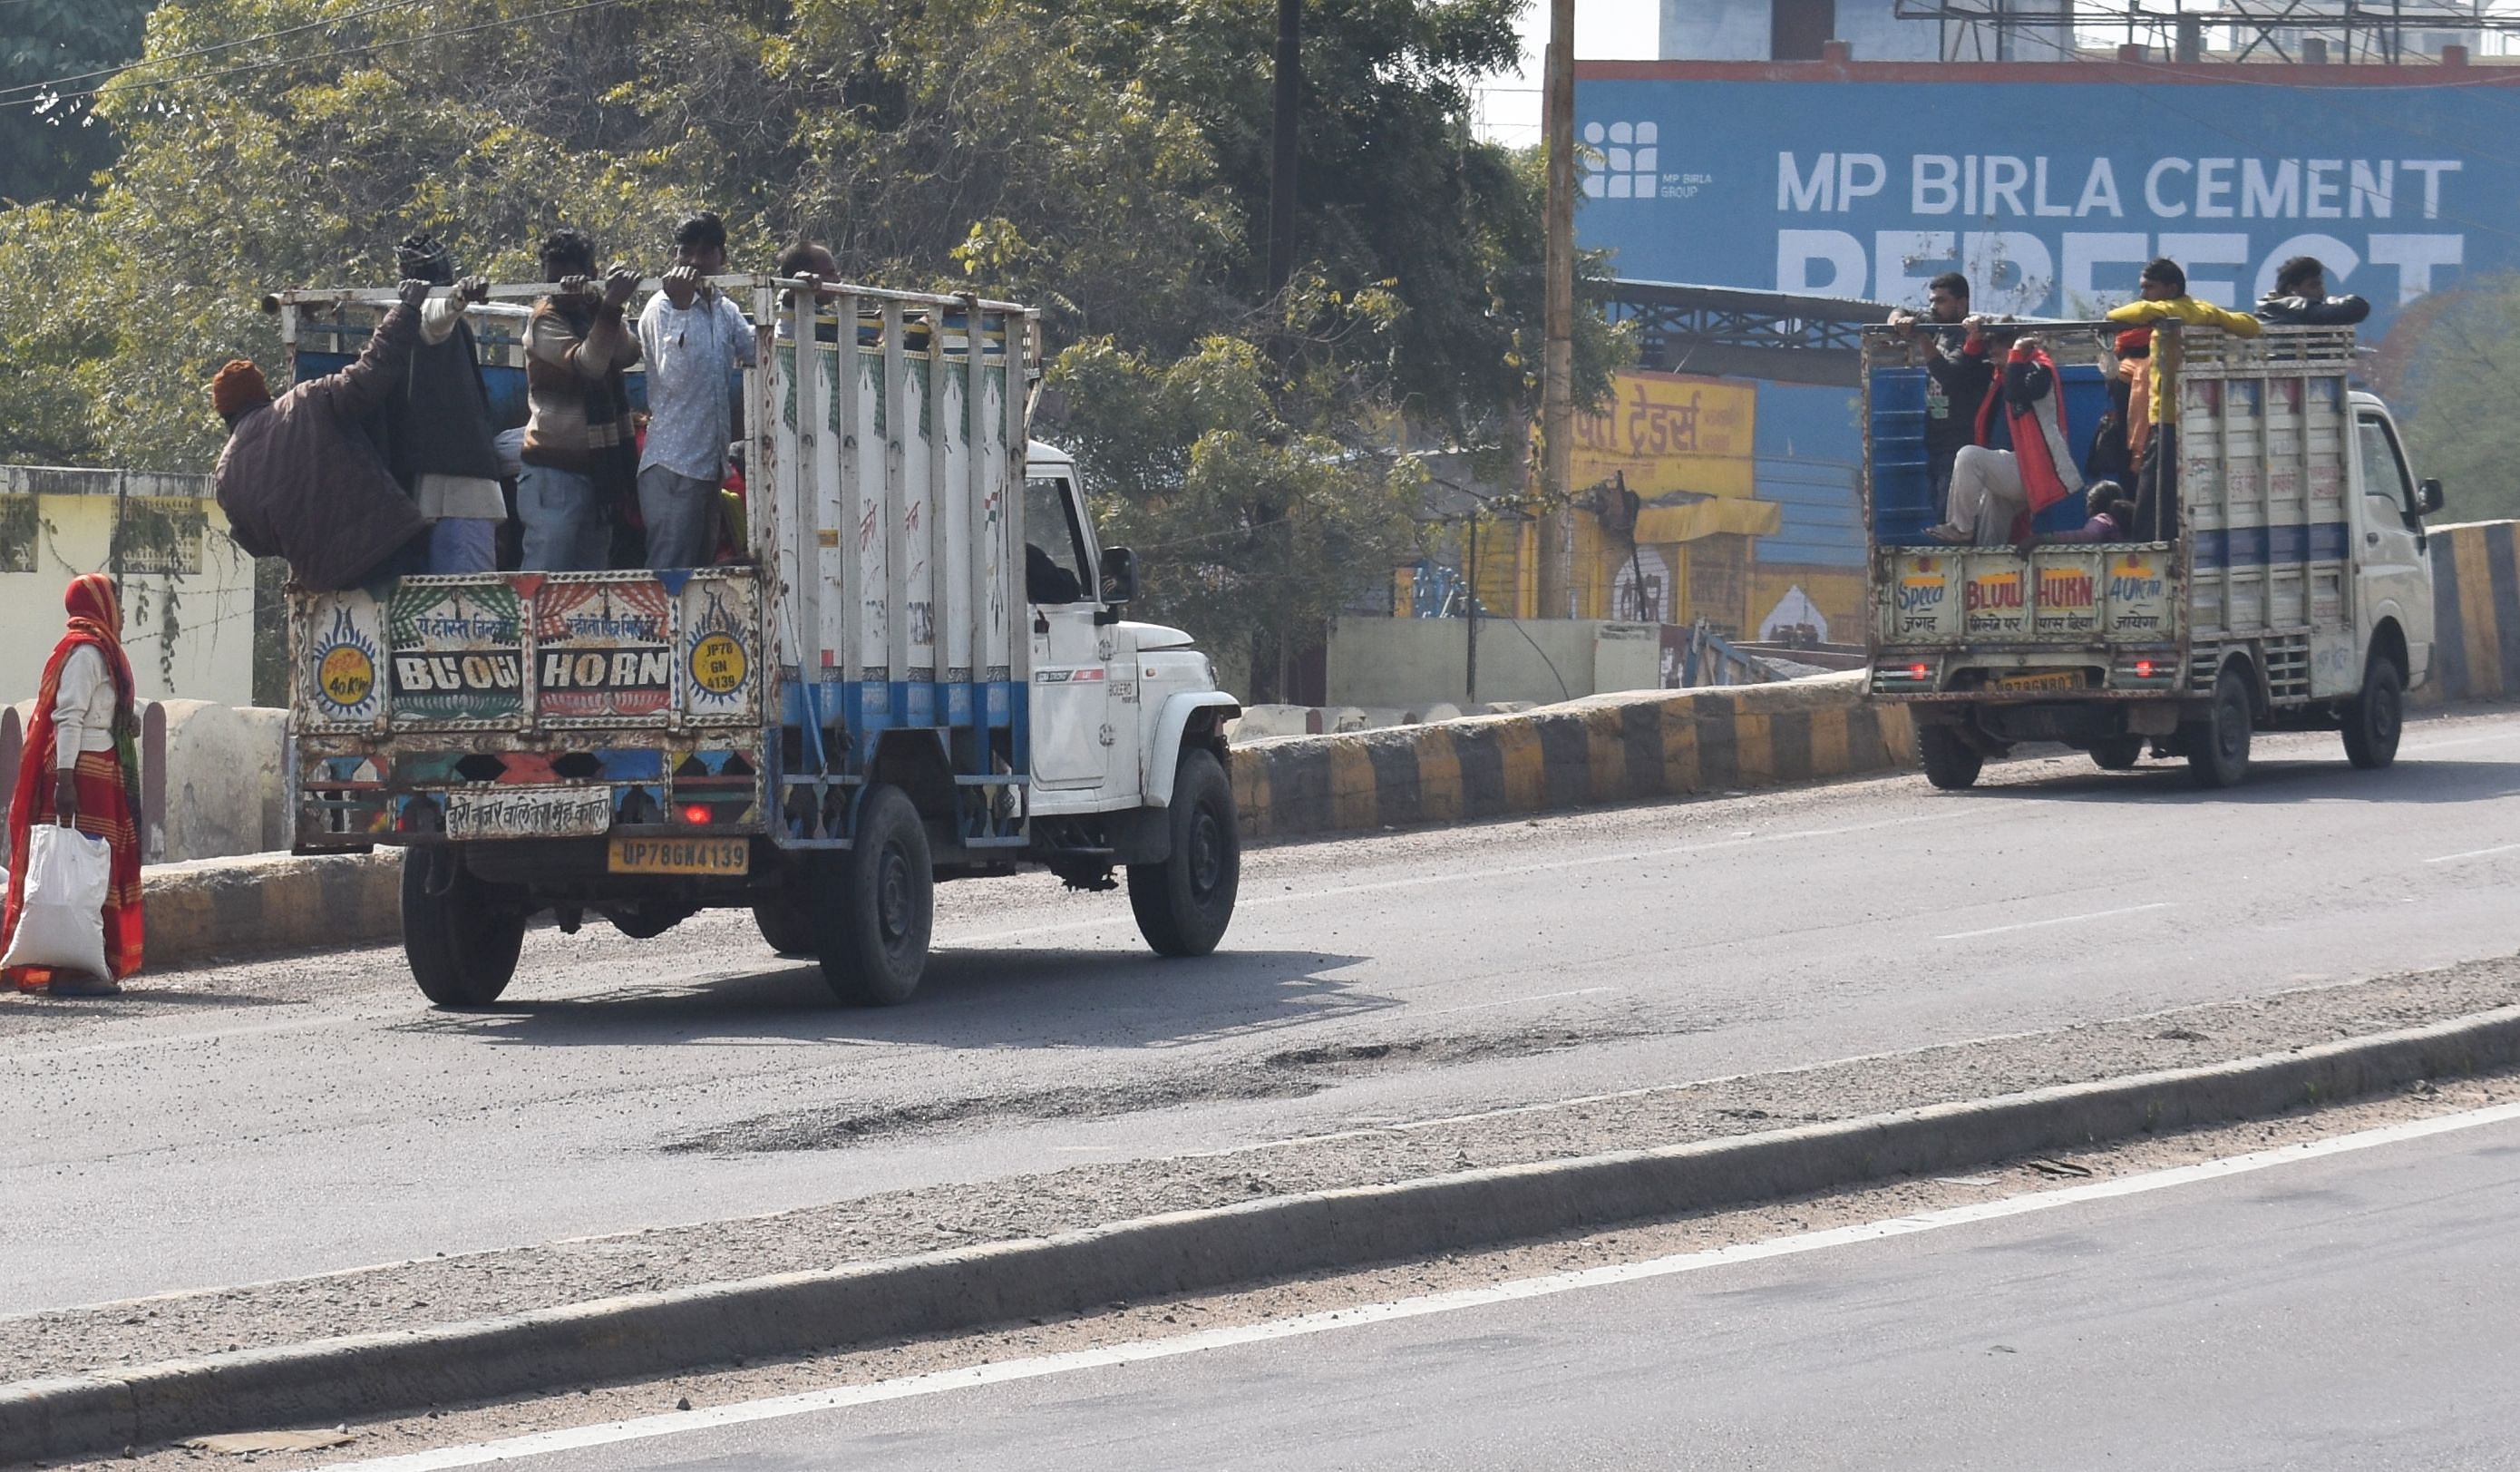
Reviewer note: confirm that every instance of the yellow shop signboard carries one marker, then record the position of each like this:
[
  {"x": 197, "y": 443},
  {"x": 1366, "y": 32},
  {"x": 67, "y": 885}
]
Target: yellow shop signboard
[{"x": 1668, "y": 432}]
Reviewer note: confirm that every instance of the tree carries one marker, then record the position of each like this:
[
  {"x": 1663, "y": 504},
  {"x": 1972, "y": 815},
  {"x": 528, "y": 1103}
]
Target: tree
[
  {"x": 2462, "y": 375},
  {"x": 1105, "y": 159}
]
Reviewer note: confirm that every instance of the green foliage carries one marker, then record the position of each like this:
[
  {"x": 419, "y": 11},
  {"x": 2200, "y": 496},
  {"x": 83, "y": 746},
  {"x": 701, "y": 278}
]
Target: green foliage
[
  {"x": 2466, "y": 364},
  {"x": 1105, "y": 159}
]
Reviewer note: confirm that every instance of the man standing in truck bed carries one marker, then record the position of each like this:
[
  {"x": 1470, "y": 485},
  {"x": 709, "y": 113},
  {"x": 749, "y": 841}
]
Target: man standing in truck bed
[
  {"x": 301, "y": 478},
  {"x": 2165, "y": 299},
  {"x": 1957, "y": 376},
  {"x": 691, "y": 338}
]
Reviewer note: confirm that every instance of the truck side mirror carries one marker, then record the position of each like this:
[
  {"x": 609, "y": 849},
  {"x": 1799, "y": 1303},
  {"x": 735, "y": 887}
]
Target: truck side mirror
[
  {"x": 2428, "y": 497},
  {"x": 1119, "y": 576}
]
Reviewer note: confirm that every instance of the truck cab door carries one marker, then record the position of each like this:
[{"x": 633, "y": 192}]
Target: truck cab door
[
  {"x": 2392, "y": 579},
  {"x": 1071, "y": 716}
]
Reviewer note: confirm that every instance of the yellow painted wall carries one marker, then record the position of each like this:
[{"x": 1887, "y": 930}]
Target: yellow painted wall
[
  {"x": 1838, "y": 592},
  {"x": 206, "y": 625}
]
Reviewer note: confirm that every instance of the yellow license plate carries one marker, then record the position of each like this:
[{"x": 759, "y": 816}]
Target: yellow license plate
[
  {"x": 680, "y": 856},
  {"x": 2043, "y": 680}
]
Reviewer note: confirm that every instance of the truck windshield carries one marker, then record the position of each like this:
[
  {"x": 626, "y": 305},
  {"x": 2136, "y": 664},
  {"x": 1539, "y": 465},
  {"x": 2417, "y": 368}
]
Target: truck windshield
[{"x": 1055, "y": 566}]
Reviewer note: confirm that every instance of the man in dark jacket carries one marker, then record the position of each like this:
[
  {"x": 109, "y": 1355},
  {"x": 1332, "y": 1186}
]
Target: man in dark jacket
[
  {"x": 1959, "y": 375},
  {"x": 2300, "y": 298},
  {"x": 437, "y": 432},
  {"x": 301, "y": 478}
]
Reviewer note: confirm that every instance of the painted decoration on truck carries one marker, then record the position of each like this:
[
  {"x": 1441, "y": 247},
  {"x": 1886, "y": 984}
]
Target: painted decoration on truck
[
  {"x": 2068, "y": 602},
  {"x": 717, "y": 633},
  {"x": 456, "y": 651},
  {"x": 601, "y": 648},
  {"x": 1995, "y": 598},
  {"x": 1923, "y": 597},
  {"x": 343, "y": 656},
  {"x": 2138, "y": 596}
]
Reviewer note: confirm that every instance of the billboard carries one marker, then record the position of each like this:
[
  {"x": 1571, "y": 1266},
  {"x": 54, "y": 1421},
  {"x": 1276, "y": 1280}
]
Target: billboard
[{"x": 2048, "y": 185}]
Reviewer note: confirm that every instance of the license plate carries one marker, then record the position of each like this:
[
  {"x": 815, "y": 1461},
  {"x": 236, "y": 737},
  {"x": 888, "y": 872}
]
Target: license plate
[
  {"x": 2045, "y": 679},
  {"x": 529, "y": 812},
  {"x": 680, "y": 856}
]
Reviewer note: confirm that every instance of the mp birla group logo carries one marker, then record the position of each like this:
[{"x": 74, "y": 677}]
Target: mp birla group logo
[
  {"x": 1630, "y": 159},
  {"x": 345, "y": 670}
]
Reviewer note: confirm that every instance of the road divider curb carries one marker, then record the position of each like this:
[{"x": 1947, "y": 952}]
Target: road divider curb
[
  {"x": 2476, "y": 614},
  {"x": 1184, "y": 1252},
  {"x": 1602, "y": 749},
  {"x": 219, "y": 908}
]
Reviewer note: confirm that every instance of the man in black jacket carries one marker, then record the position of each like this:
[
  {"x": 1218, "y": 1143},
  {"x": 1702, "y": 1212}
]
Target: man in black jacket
[
  {"x": 2300, "y": 299},
  {"x": 300, "y": 479},
  {"x": 1957, "y": 376},
  {"x": 436, "y": 433}
]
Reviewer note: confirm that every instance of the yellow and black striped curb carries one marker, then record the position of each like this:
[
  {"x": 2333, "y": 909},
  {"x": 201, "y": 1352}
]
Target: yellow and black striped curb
[
  {"x": 2476, "y": 614},
  {"x": 1599, "y": 749}
]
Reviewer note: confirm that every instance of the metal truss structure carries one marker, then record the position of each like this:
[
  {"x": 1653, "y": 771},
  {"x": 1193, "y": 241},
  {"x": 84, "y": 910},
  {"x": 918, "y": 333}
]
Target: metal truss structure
[
  {"x": 2350, "y": 32},
  {"x": 1768, "y": 335}
]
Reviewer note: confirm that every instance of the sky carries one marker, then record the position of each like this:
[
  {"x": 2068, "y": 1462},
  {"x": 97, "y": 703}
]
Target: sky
[{"x": 1605, "y": 30}]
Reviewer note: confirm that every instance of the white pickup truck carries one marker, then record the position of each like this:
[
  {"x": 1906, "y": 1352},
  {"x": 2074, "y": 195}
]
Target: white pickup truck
[
  {"x": 2295, "y": 593},
  {"x": 919, "y": 671}
]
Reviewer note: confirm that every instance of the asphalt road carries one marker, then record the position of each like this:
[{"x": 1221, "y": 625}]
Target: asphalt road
[
  {"x": 283, "y": 1118},
  {"x": 2351, "y": 1311}
]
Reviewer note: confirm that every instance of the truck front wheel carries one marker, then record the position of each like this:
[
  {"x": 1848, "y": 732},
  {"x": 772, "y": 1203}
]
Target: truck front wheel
[
  {"x": 877, "y": 904},
  {"x": 461, "y": 935},
  {"x": 1949, "y": 761},
  {"x": 2375, "y": 717},
  {"x": 1184, "y": 904},
  {"x": 2218, "y": 747}
]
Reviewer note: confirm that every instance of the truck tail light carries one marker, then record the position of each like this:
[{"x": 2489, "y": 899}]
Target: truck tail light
[
  {"x": 2143, "y": 669},
  {"x": 696, "y": 812}
]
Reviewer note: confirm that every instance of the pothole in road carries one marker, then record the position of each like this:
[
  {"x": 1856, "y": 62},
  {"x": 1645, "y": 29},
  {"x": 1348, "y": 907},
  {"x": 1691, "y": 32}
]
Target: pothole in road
[{"x": 1287, "y": 1073}]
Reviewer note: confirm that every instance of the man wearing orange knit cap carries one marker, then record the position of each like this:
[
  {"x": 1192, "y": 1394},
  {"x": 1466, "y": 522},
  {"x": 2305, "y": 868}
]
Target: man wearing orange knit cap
[{"x": 301, "y": 478}]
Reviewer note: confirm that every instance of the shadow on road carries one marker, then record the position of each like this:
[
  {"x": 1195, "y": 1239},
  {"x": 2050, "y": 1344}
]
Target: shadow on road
[
  {"x": 2409, "y": 781},
  {"x": 970, "y": 999}
]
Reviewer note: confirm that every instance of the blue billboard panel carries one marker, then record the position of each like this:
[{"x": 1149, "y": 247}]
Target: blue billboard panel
[{"x": 2048, "y": 185}]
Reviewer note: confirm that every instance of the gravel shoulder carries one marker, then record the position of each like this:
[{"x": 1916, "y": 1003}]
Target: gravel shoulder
[{"x": 446, "y": 1289}]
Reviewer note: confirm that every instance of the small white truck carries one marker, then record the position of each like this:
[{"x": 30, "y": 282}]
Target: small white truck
[
  {"x": 2295, "y": 593},
  {"x": 919, "y": 671}
]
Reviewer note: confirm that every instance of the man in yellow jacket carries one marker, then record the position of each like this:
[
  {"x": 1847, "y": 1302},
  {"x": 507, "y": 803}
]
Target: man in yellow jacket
[{"x": 2165, "y": 298}]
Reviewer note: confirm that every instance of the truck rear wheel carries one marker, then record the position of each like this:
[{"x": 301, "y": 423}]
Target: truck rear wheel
[
  {"x": 2117, "y": 754},
  {"x": 1184, "y": 904},
  {"x": 1949, "y": 761},
  {"x": 2375, "y": 717},
  {"x": 461, "y": 935},
  {"x": 877, "y": 904},
  {"x": 2218, "y": 747}
]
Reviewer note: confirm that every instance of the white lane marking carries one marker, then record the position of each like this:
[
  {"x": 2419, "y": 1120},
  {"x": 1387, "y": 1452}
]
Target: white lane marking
[
  {"x": 2473, "y": 853},
  {"x": 1998, "y": 929},
  {"x": 1517, "y": 1001},
  {"x": 1509, "y": 871},
  {"x": 836, "y": 1398}
]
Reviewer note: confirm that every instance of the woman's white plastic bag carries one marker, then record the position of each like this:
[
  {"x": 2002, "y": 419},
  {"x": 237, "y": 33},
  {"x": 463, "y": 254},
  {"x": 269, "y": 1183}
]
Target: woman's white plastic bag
[{"x": 61, "y": 924}]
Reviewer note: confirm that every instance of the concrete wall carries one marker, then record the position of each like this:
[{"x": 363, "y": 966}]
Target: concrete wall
[
  {"x": 212, "y": 778},
  {"x": 189, "y": 630},
  {"x": 1423, "y": 662}
]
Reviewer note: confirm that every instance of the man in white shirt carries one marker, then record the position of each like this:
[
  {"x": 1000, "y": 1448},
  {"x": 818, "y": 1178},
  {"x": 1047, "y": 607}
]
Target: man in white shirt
[{"x": 692, "y": 338}]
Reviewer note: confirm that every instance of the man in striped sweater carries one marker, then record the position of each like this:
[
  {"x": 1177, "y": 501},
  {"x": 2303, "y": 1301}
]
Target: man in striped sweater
[{"x": 582, "y": 454}]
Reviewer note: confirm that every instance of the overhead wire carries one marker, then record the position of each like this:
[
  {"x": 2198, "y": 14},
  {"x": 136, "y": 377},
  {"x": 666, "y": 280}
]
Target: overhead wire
[
  {"x": 381, "y": 44},
  {"x": 43, "y": 89}
]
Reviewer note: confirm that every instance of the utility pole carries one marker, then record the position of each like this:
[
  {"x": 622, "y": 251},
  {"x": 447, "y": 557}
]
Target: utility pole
[
  {"x": 1283, "y": 128},
  {"x": 1557, "y": 361}
]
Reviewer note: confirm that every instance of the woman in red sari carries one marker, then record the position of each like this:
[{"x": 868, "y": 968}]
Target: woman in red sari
[{"x": 82, "y": 768}]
